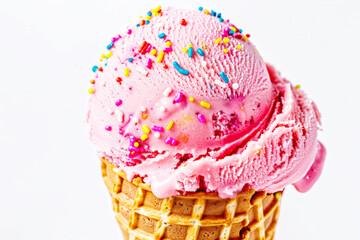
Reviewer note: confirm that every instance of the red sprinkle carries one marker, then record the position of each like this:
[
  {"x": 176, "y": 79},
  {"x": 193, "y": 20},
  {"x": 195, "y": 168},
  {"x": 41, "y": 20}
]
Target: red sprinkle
[
  {"x": 183, "y": 22},
  {"x": 247, "y": 35},
  {"x": 92, "y": 81},
  {"x": 100, "y": 69},
  {"x": 142, "y": 22},
  {"x": 118, "y": 79},
  {"x": 165, "y": 66}
]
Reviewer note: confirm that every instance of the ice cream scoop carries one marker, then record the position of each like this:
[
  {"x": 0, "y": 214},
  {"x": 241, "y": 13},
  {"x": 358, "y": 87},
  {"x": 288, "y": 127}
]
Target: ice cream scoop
[{"x": 185, "y": 101}]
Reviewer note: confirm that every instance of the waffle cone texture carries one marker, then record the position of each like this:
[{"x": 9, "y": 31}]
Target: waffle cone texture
[{"x": 141, "y": 215}]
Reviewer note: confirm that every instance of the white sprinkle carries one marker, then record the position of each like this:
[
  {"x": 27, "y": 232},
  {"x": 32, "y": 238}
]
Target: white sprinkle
[
  {"x": 102, "y": 83},
  {"x": 203, "y": 63},
  {"x": 167, "y": 91},
  {"x": 109, "y": 110},
  {"x": 141, "y": 70},
  {"x": 162, "y": 109},
  {"x": 143, "y": 109},
  {"x": 220, "y": 83},
  {"x": 120, "y": 115},
  {"x": 156, "y": 134},
  {"x": 235, "y": 86}
]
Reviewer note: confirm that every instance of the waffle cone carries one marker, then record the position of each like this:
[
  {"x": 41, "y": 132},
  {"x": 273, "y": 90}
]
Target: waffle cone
[{"x": 250, "y": 215}]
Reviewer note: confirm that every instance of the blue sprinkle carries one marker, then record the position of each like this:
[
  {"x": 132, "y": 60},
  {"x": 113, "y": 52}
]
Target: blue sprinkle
[
  {"x": 219, "y": 15},
  {"x": 180, "y": 70},
  {"x": 224, "y": 77},
  {"x": 240, "y": 30},
  {"x": 201, "y": 8},
  {"x": 221, "y": 19},
  {"x": 95, "y": 68},
  {"x": 109, "y": 46},
  {"x": 147, "y": 22},
  {"x": 130, "y": 59},
  {"x": 105, "y": 64},
  {"x": 191, "y": 52},
  {"x": 231, "y": 32},
  {"x": 200, "y": 51},
  {"x": 149, "y": 13},
  {"x": 161, "y": 35},
  {"x": 137, "y": 25},
  {"x": 213, "y": 13}
]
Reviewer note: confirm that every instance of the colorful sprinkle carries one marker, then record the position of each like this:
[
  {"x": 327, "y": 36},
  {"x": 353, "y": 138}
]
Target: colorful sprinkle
[
  {"x": 160, "y": 57},
  {"x": 149, "y": 13},
  {"x": 206, "y": 11},
  {"x": 200, "y": 51},
  {"x": 118, "y": 102},
  {"x": 118, "y": 79},
  {"x": 130, "y": 59},
  {"x": 142, "y": 70},
  {"x": 136, "y": 144},
  {"x": 201, "y": 118},
  {"x": 201, "y": 8},
  {"x": 245, "y": 38},
  {"x": 170, "y": 125},
  {"x": 157, "y": 128},
  {"x": 95, "y": 68},
  {"x": 145, "y": 129},
  {"x": 129, "y": 31},
  {"x": 183, "y": 22},
  {"x": 297, "y": 86},
  {"x": 238, "y": 46},
  {"x": 172, "y": 141},
  {"x": 168, "y": 43},
  {"x": 190, "y": 51},
  {"x": 148, "y": 18},
  {"x": 221, "y": 19},
  {"x": 220, "y": 83},
  {"x": 224, "y": 77},
  {"x": 161, "y": 35},
  {"x": 235, "y": 86},
  {"x": 149, "y": 63},
  {"x": 168, "y": 49},
  {"x": 144, "y": 137},
  {"x": 277, "y": 195},
  {"x": 126, "y": 72},
  {"x": 144, "y": 115},
  {"x": 157, "y": 134},
  {"x": 218, "y": 41},
  {"x": 191, "y": 99},
  {"x": 184, "y": 50},
  {"x": 108, "y": 128},
  {"x": 205, "y": 104},
  {"x": 92, "y": 81},
  {"x": 109, "y": 46},
  {"x": 153, "y": 52},
  {"x": 120, "y": 115},
  {"x": 91, "y": 91},
  {"x": 178, "y": 97},
  {"x": 165, "y": 66},
  {"x": 179, "y": 69},
  {"x": 225, "y": 50},
  {"x": 226, "y": 40}
]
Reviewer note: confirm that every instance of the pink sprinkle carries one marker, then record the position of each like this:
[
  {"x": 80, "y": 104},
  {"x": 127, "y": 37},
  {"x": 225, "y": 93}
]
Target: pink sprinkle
[
  {"x": 108, "y": 128},
  {"x": 115, "y": 68},
  {"x": 149, "y": 48},
  {"x": 132, "y": 148},
  {"x": 201, "y": 118},
  {"x": 118, "y": 102},
  {"x": 157, "y": 128},
  {"x": 148, "y": 65},
  {"x": 168, "y": 140},
  {"x": 129, "y": 31},
  {"x": 116, "y": 38},
  {"x": 178, "y": 97},
  {"x": 168, "y": 49},
  {"x": 174, "y": 142}
]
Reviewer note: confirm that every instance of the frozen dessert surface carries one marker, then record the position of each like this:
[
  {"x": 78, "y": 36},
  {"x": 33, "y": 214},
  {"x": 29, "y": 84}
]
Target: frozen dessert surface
[{"x": 185, "y": 101}]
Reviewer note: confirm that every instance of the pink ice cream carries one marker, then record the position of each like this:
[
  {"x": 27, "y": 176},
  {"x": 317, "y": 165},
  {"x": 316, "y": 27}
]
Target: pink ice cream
[{"x": 231, "y": 122}]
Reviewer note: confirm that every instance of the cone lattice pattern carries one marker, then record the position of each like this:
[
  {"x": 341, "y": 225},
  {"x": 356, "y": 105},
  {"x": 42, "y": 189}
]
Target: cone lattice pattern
[{"x": 250, "y": 215}]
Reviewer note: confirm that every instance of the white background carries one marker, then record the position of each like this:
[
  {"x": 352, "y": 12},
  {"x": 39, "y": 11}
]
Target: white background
[{"x": 50, "y": 181}]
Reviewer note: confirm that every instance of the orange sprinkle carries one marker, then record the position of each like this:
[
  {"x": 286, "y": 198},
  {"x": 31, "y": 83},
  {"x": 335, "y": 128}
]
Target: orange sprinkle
[{"x": 92, "y": 81}]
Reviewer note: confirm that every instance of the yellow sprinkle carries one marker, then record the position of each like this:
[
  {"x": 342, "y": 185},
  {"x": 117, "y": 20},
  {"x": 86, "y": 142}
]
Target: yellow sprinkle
[
  {"x": 146, "y": 129},
  {"x": 238, "y": 46},
  {"x": 103, "y": 56},
  {"x": 233, "y": 28},
  {"x": 245, "y": 38},
  {"x": 191, "y": 99},
  {"x": 160, "y": 57},
  {"x": 140, "y": 16},
  {"x": 157, "y": 9},
  {"x": 101, "y": 60},
  {"x": 185, "y": 50},
  {"x": 168, "y": 44},
  {"x": 144, "y": 137},
  {"x": 190, "y": 45},
  {"x": 218, "y": 41},
  {"x": 170, "y": 125},
  {"x": 156, "y": 14},
  {"x": 126, "y": 73},
  {"x": 242, "y": 108},
  {"x": 226, "y": 40},
  {"x": 153, "y": 52},
  {"x": 91, "y": 90},
  {"x": 277, "y": 195},
  {"x": 297, "y": 86},
  {"x": 225, "y": 50},
  {"x": 136, "y": 144},
  {"x": 109, "y": 54},
  {"x": 205, "y": 104},
  {"x": 206, "y": 11},
  {"x": 148, "y": 18}
]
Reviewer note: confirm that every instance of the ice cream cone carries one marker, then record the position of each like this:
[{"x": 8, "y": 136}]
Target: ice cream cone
[{"x": 141, "y": 215}]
